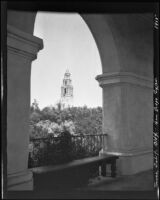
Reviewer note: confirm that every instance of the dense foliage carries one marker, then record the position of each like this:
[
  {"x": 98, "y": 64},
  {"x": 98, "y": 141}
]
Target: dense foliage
[
  {"x": 52, "y": 120},
  {"x": 54, "y": 131}
]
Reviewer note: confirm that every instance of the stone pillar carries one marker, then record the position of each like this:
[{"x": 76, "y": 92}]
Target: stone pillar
[
  {"x": 22, "y": 49},
  {"x": 128, "y": 119}
]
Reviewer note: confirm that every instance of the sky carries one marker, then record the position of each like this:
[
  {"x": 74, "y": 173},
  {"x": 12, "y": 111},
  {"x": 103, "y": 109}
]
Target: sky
[{"x": 68, "y": 44}]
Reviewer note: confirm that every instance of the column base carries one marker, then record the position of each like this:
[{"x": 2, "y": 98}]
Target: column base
[
  {"x": 20, "y": 181},
  {"x": 132, "y": 163}
]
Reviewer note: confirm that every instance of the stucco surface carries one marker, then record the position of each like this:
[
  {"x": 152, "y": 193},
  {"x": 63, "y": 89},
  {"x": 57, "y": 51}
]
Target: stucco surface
[
  {"x": 112, "y": 115},
  {"x": 125, "y": 41},
  {"x": 128, "y": 116},
  {"x": 139, "y": 102},
  {"x": 21, "y": 20},
  {"x": 128, "y": 165},
  {"x": 133, "y": 36},
  {"x": 22, "y": 48},
  {"x": 105, "y": 42},
  {"x": 18, "y": 95}
]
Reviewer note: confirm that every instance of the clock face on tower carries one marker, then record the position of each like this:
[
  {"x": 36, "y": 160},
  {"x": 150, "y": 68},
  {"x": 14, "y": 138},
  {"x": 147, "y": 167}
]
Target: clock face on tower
[{"x": 67, "y": 90}]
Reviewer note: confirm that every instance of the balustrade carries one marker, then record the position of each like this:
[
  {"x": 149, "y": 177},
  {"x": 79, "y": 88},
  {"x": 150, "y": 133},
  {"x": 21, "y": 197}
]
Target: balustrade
[{"x": 51, "y": 150}]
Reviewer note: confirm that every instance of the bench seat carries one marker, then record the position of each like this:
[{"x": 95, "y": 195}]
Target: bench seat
[{"x": 73, "y": 173}]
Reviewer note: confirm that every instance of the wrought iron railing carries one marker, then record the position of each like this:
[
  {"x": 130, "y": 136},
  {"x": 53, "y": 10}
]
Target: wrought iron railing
[{"x": 51, "y": 150}]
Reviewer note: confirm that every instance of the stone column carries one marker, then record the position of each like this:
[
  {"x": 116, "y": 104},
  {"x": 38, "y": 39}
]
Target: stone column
[
  {"x": 22, "y": 49},
  {"x": 128, "y": 119}
]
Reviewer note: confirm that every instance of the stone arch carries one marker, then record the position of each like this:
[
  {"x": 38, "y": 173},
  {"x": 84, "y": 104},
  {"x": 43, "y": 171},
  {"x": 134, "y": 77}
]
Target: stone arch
[
  {"x": 96, "y": 24},
  {"x": 103, "y": 35},
  {"x": 127, "y": 74}
]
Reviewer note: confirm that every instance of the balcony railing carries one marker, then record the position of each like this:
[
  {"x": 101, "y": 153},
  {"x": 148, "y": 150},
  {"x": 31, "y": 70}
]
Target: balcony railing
[{"x": 51, "y": 150}]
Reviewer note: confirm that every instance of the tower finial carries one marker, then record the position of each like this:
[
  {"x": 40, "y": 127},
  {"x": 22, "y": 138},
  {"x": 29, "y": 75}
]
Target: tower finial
[{"x": 67, "y": 73}]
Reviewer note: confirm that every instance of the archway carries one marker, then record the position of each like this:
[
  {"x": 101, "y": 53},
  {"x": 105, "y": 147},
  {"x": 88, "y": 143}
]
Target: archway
[
  {"x": 68, "y": 38},
  {"x": 126, "y": 82}
]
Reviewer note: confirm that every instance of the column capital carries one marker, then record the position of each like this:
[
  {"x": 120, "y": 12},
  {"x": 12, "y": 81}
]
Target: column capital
[
  {"x": 124, "y": 77},
  {"x": 22, "y": 43}
]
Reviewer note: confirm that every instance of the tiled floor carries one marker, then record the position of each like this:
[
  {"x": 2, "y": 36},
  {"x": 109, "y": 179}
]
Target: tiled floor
[
  {"x": 139, "y": 186},
  {"x": 141, "y": 181}
]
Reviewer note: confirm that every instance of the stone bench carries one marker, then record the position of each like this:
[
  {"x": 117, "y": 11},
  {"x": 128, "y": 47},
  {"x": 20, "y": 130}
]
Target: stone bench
[{"x": 71, "y": 174}]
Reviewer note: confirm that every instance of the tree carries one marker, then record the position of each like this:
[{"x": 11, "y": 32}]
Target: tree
[
  {"x": 35, "y": 106},
  {"x": 84, "y": 120},
  {"x": 62, "y": 124},
  {"x": 35, "y": 112},
  {"x": 49, "y": 113}
]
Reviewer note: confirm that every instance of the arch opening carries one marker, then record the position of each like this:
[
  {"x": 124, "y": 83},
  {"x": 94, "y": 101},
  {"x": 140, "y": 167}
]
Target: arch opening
[
  {"x": 69, "y": 47},
  {"x": 68, "y": 43}
]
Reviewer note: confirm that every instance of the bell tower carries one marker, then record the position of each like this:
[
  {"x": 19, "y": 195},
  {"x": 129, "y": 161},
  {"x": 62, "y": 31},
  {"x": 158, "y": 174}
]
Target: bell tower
[{"x": 67, "y": 90}]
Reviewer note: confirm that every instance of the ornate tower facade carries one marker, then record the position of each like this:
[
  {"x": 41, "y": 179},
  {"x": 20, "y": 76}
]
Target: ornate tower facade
[{"x": 67, "y": 90}]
